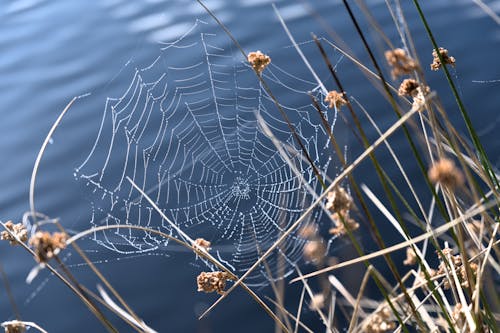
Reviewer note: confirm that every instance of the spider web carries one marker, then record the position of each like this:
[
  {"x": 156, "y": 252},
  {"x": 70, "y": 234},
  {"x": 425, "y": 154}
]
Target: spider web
[{"x": 185, "y": 131}]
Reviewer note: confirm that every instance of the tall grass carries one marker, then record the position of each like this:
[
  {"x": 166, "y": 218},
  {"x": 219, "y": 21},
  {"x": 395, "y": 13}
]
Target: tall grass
[{"x": 447, "y": 282}]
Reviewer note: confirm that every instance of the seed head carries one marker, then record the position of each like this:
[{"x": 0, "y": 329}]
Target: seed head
[
  {"x": 410, "y": 87},
  {"x": 401, "y": 63},
  {"x": 335, "y": 99},
  {"x": 202, "y": 243},
  {"x": 258, "y": 60},
  {"x": 446, "y": 173},
  {"x": 458, "y": 316},
  {"x": 419, "y": 96},
  {"x": 317, "y": 302},
  {"x": 213, "y": 281},
  {"x": 47, "y": 245},
  {"x": 18, "y": 230},
  {"x": 422, "y": 277},
  {"x": 308, "y": 232},
  {"x": 14, "y": 326},
  {"x": 444, "y": 253},
  {"x": 343, "y": 223},
  {"x": 380, "y": 322},
  {"x": 436, "y": 62},
  {"x": 456, "y": 263},
  {"x": 314, "y": 251},
  {"x": 338, "y": 200},
  {"x": 411, "y": 257}
]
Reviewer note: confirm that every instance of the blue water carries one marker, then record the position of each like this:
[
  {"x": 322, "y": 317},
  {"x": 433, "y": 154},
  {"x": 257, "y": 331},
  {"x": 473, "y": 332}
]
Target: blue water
[{"x": 51, "y": 51}]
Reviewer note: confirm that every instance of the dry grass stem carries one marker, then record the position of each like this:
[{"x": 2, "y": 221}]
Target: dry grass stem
[
  {"x": 299, "y": 50},
  {"x": 131, "y": 318},
  {"x": 296, "y": 319},
  {"x": 42, "y": 151}
]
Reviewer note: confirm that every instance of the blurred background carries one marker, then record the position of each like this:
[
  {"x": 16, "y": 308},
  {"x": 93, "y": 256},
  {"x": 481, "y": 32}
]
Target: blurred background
[{"x": 51, "y": 51}]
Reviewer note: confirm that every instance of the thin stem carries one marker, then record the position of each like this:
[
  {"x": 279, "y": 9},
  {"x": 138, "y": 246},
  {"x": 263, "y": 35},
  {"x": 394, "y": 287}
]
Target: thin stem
[
  {"x": 475, "y": 139},
  {"x": 8, "y": 290}
]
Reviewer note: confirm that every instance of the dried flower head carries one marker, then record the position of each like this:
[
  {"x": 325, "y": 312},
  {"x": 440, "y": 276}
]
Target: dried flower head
[
  {"x": 436, "y": 62},
  {"x": 308, "y": 232},
  {"x": 202, "y": 243},
  {"x": 411, "y": 257},
  {"x": 408, "y": 87},
  {"x": 456, "y": 263},
  {"x": 331, "y": 261},
  {"x": 18, "y": 230},
  {"x": 335, "y": 99},
  {"x": 47, "y": 245},
  {"x": 213, "y": 281},
  {"x": 314, "y": 251},
  {"x": 446, "y": 173},
  {"x": 258, "y": 60},
  {"x": 14, "y": 326},
  {"x": 419, "y": 96},
  {"x": 317, "y": 302},
  {"x": 411, "y": 87},
  {"x": 338, "y": 200},
  {"x": 401, "y": 63},
  {"x": 458, "y": 316},
  {"x": 422, "y": 278},
  {"x": 380, "y": 322},
  {"x": 444, "y": 253},
  {"x": 343, "y": 223}
]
